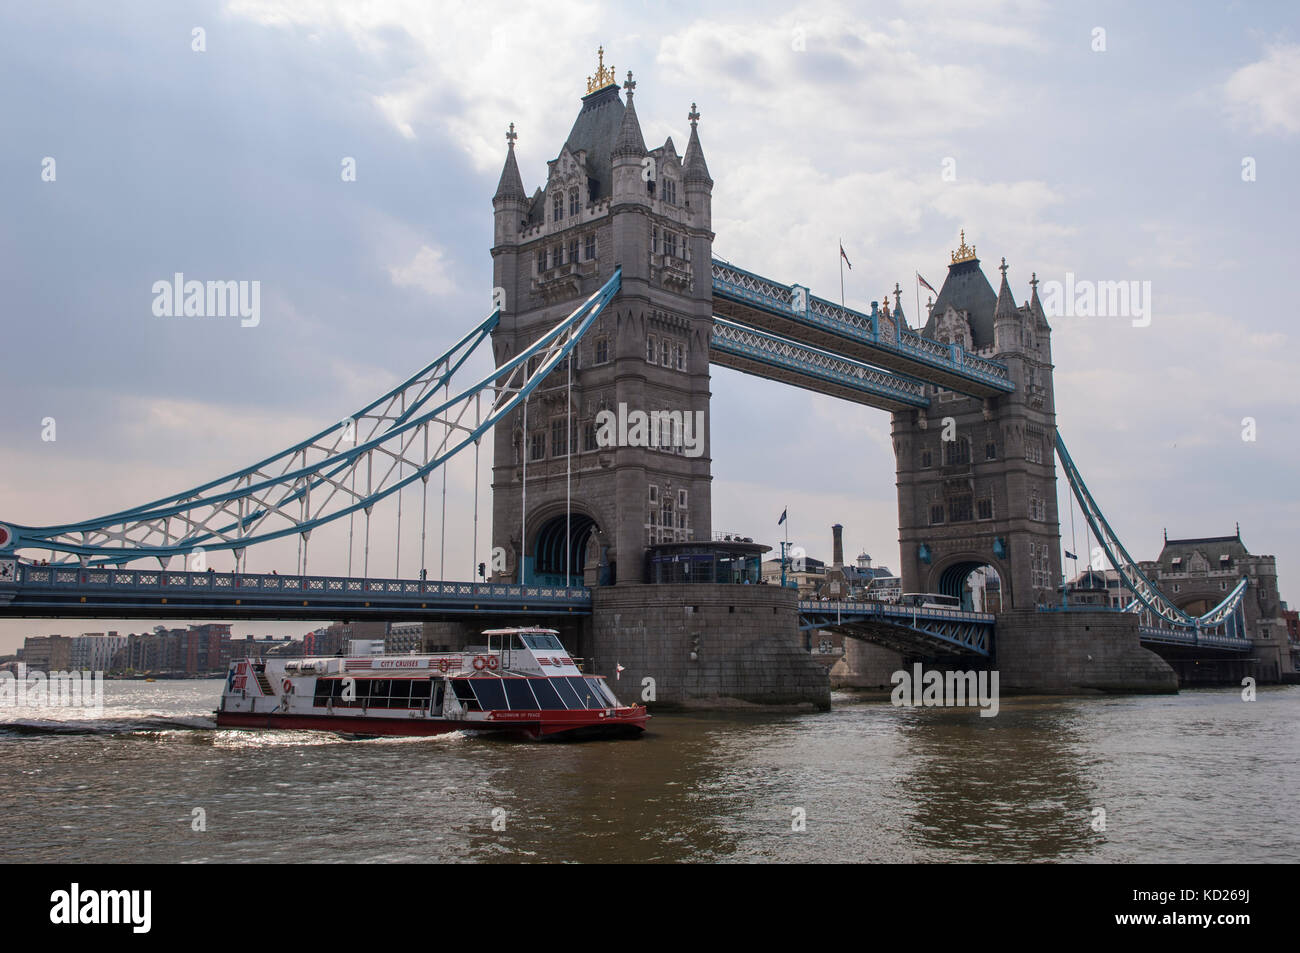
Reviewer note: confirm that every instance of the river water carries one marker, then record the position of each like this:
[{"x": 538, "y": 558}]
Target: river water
[{"x": 1202, "y": 776}]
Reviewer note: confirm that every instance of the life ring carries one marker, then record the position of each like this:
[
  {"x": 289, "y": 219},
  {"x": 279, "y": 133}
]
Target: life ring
[
  {"x": 443, "y": 664},
  {"x": 479, "y": 663},
  {"x": 288, "y": 687},
  {"x": 493, "y": 663}
]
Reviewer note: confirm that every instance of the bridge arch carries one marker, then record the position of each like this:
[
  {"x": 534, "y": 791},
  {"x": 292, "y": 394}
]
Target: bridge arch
[
  {"x": 547, "y": 546},
  {"x": 949, "y": 577}
]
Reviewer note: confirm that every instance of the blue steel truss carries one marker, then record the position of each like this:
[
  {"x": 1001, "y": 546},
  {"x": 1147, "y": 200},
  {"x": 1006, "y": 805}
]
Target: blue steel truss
[
  {"x": 402, "y": 437},
  {"x": 767, "y": 355},
  {"x": 877, "y": 338},
  {"x": 1224, "y": 621},
  {"x": 910, "y": 630}
]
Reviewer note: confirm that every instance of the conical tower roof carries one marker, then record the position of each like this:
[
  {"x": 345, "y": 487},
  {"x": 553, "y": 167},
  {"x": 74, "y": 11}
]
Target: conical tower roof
[
  {"x": 694, "y": 166},
  {"x": 1006, "y": 306},
  {"x": 510, "y": 186},
  {"x": 630, "y": 142}
]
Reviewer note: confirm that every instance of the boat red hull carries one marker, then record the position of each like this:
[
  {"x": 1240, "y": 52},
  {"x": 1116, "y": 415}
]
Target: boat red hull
[{"x": 544, "y": 724}]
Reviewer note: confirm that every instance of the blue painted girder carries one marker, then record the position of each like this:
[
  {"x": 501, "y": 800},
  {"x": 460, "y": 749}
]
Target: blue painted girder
[{"x": 789, "y": 311}]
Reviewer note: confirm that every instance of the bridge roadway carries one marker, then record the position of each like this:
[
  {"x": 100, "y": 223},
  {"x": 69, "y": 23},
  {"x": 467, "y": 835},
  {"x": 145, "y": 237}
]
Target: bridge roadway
[
  {"x": 909, "y": 630},
  {"x": 101, "y": 593}
]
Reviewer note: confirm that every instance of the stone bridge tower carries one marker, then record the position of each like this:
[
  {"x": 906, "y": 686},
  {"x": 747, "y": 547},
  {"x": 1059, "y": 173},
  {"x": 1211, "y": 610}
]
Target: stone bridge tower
[
  {"x": 977, "y": 479},
  {"x": 608, "y": 202}
]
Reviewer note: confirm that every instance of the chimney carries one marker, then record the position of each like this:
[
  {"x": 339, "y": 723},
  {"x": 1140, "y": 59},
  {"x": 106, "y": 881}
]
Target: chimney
[{"x": 837, "y": 535}]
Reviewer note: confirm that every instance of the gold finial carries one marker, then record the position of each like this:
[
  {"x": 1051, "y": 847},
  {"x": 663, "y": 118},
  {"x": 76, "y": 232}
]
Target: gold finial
[
  {"x": 964, "y": 253},
  {"x": 604, "y": 74}
]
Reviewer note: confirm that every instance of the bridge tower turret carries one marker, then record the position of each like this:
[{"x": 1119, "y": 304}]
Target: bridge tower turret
[
  {"x": 977, "y": 478},
  {"x": 634, "y": 469}
]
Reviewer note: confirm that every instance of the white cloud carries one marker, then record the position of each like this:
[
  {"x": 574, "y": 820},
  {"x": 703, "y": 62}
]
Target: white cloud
[
  {"x": 427, "y": 271},
  {"x": 1266, "y": 94}
]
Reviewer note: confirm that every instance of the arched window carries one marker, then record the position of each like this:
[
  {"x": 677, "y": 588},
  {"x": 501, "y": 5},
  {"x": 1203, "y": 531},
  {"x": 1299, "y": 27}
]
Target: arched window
[
  {"x": 573, "y": 201},
  {"x": 557, "y": 206},
  {"x": 956, "y": 453}
]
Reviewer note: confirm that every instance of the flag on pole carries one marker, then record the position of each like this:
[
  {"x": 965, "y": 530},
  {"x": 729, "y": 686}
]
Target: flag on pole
[
  {"x": 1070, "y": 555},
  {"x": 927, "y": 284},
  {"x": 782, "y": 519},
  {"x": 845, "y": 257}
]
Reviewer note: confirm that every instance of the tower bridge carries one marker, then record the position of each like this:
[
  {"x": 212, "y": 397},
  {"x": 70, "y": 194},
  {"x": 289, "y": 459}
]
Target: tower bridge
[{"x": 610, "y": 295}]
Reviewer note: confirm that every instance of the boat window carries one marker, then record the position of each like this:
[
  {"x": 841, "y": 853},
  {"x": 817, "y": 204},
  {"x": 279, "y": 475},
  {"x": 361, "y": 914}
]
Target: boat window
[
  {"x": 520, "y": 695},
  {"x": 567, "y": 695},
  {"x": 490, "y": 693},
  {"x": 543, "y": 642},
  {"x": 602, "y": 691},
  {"x": 465, "y": 694},
  {"x": 546, "y": 696},
  {"x": 590, "y": 697},
  {"x": 420, "y": 693}
]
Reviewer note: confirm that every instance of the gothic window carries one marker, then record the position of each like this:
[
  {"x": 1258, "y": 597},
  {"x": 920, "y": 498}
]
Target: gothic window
[
  {"x": 956, "y": 453},
  {"x": 573, "y": 201},
  {"x": 679, "y": 354},
  {"x": 665, "y": 353},
  {"x": 537, "y": 450},
  {"x": 936, "y": 514},
  {"x": 985, "y": 509},
  {"x": 590, "y": 252},
  {"x": 589, "y": 436},
  {"x": 959, "y": 509},
  {"x": 926, "y": 460},
  {"x": 573, "y": 251},
  {"x": 654, "y": 240},
  {"x": 541, "y": 260},
  {"x": 990, "y": 451},
  {"x": 681, "y": 499},
  {"x": 557, "y": 207},
  {"x": 559, "y": 255},
  {"x": 670, "y": 191},
  {"x": 601, "y": 349},
  {"x": 1037, "y": 508},
  {"x": 559, "y": 446},
  {"x": 650, "y": 350},
  {"x": 654, "y": 494},
  {"x": 670, "y": 243}
]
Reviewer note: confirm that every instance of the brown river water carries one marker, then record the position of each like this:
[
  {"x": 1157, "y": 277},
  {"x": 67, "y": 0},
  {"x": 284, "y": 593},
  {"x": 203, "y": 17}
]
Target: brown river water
[{"x": 1201, "y": 776}]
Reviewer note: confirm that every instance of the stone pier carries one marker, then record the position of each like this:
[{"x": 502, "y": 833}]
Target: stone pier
[{"x": 705, "y": 646}]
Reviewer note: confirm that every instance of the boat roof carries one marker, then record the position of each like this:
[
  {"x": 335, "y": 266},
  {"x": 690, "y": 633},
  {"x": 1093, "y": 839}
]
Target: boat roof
[{"x": 522, "y": 630}]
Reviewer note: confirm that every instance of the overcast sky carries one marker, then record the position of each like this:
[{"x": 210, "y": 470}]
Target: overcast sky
[{"x": 820, "y": 121}]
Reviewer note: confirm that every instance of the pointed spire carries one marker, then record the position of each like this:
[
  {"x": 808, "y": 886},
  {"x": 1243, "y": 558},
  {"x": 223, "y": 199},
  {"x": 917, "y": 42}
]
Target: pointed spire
[
  {"x": 1035, "y": 305},
  {"x": 630, "y": 142},
  {"x": 694, "y": 166},
  {"x": 511, "y": 186},
  {"x": 1006, "y": 306},
  {"x": 898, "y": 302}
]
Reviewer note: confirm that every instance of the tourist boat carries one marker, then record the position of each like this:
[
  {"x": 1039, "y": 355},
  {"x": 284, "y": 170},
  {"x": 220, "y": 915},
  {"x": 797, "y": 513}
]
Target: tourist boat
[{"x": 522, "y": 682}]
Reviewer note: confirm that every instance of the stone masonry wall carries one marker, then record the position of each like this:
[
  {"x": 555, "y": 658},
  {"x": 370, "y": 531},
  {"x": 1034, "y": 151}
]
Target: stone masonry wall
[
  {"x": 745, "y": 638},
  {"x": 1068, "y": 652}
]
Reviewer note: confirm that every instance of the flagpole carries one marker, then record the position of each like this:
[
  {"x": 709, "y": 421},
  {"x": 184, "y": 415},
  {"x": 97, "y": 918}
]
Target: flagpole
[
  {"x": 842, "y": 304},
  {"x": 919, "y": 322}
]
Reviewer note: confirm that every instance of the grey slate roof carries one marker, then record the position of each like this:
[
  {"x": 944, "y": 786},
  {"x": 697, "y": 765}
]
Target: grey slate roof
[
  {"x": 510, "y": 184},
  {"x": 966, "y": 289},
  {"x": 694, "y": 166},
  {"x": 596, "y": 130}
]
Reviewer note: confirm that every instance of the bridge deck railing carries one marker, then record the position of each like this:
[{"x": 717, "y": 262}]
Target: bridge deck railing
[
  {"x": 211, "y": 582},
  {"x": 891, "y": 610}
]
